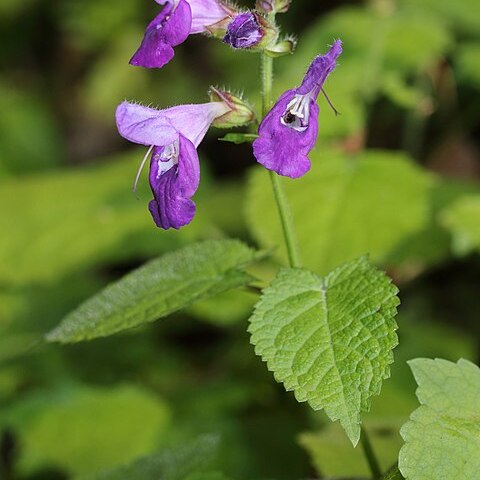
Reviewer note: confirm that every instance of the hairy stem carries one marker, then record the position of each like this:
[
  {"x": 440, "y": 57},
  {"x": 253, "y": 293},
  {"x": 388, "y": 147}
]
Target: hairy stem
[
  {"x": 267, "y": 83},
  {"x": 370, "y": 456},
  {"x": 286, "y": 217}
]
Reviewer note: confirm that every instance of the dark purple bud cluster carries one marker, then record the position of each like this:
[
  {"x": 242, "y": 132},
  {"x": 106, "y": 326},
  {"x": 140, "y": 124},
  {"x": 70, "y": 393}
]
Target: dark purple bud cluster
[{"x": 244, "y": 31}]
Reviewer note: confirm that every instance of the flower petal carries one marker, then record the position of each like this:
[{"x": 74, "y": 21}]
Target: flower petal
[
  {"x": 290, "y": 129},
  {"x": 319, "y": 69},
  {"x": 206, "y": 13},
  {"x": 281, "y": 148},
  {"x": 168, "y": 29},
  {"x": 193, "y": 121},
  {"x": 144, "y": 125},
  {"x": 172, "y": 206}
]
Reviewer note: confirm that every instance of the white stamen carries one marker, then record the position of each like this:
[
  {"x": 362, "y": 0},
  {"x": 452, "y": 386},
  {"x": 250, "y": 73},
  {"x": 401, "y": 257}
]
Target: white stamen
[
  {"x": 300, "y": 106},
  {"x": 297, "y": 113},
  {"x": 167, "y": 159},
  {"x": 141, "y": 168}
]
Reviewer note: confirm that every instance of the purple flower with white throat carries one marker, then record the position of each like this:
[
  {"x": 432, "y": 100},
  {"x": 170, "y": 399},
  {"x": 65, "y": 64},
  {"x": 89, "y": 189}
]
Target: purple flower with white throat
[
  {"x": 172, "y": 26},
  {"x": 173, "y": 136},
  {"x": 289, "y": 131}
]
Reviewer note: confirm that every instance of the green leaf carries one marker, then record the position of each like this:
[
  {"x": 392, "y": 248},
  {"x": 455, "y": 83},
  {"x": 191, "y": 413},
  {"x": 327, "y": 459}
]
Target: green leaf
[
  {"x": 239, "y": 138},
  {"x": 345, "y": 207},
  {"x": 442, "y": 437},
  {"x": 157, "y": 289},
  {"x": 329, "y": 339},
  {"x": 63, "y": 428},
  {"x": 462, "y": 219},
  {"x": 170, "y": 464}
]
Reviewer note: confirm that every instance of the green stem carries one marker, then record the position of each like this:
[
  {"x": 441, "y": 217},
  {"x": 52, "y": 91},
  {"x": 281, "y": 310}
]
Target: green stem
[
  {"x": 267, "y": 83},
  {"x": 286, "y": 217},
  {"x": 370, "y": 455}
]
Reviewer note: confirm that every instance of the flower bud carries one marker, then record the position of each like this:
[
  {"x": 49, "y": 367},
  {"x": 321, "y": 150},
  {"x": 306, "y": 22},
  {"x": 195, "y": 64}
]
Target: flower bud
[
  {"x": 240, "y": 114},
  {"x": 273, "y": 6},
  {"x": 250, "y": 30},
  {"x": 281, "y": 48}
]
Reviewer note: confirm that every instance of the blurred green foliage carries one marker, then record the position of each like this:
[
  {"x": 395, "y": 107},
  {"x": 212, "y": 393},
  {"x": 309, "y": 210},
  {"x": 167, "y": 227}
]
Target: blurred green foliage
[
  {"x": 83, "y": 430},
  {"x": 383, "y": 181},
  {"x": 351, "y": 201},
  {"x": 191, "y": 461}
]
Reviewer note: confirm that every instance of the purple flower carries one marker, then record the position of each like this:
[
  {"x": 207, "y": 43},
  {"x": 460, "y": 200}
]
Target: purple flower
[
  {"x": 173, "y": 135},
  {"x": 244, "y": 31},
  {"x": 289, "y": 131},
  {"x": 171, "y": 27}
]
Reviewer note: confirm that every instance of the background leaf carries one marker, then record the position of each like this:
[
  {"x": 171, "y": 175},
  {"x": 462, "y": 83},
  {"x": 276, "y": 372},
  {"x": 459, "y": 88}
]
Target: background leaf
[
  {"x": 344, "y": 207},
  {"x": 77, "y": 218},
  {"x": 463, "y": 16},
  {"x": 329, "y": 340},
  {"x": 169, "y": 464},
  {"x": 442, "y": 437},
  {"x": 462, "y": 218},
  {"x": 27, "y": 115},
  {"x": 105, "y": 426},
  {"x": 160, "y": 287}
]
